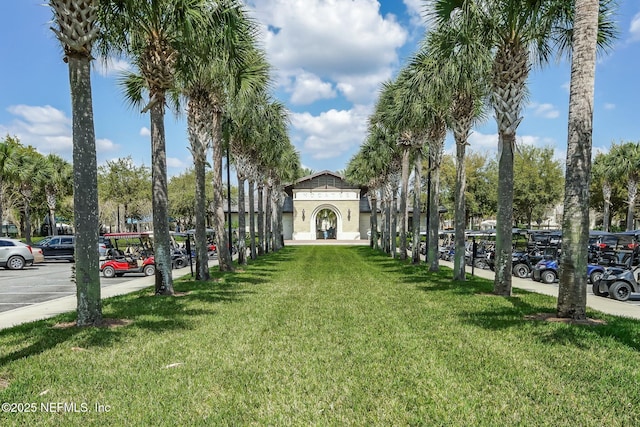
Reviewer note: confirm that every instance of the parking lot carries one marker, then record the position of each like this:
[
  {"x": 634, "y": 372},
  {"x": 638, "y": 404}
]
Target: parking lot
[{"x": 43, "y": 282}]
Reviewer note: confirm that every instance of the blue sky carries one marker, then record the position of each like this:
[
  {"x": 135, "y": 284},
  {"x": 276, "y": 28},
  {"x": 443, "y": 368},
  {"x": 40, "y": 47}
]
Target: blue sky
[{"x": 329, "y": 57}]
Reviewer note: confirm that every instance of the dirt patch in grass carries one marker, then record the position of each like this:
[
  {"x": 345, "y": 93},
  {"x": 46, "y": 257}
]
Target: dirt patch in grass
[
  {"x": 4, "y": 383},
  {"x": 106, "y": 323},
  {"x": 552, "y": 317}
]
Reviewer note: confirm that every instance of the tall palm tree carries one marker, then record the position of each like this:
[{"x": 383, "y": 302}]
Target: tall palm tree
[
  {"x": 519, "y": 33},
  {"x": 435, "y": 92},
  {"x": 248, "y": 73},
  {"x": 75, "y": 26},
  {"x": 572, "y": 294},
  {"x": 465, "y": 67},
  {"x": 157, "y": 36},
  {"x": 248, "y": 123},
  {"x": 626, "y": 165},
  {"x": 603, "y": 172}
]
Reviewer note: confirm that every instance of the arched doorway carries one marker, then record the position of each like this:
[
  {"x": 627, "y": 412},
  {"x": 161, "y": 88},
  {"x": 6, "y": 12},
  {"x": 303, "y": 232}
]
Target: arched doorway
[{"x": 326, "y": 222}]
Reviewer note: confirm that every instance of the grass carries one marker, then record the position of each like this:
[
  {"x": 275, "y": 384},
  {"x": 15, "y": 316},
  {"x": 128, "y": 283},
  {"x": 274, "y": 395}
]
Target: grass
[{"x": 321, "y": 335}]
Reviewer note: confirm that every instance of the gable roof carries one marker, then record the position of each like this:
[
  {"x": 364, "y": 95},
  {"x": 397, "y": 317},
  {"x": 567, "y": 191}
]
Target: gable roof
[{"x": 322, "y": 180}]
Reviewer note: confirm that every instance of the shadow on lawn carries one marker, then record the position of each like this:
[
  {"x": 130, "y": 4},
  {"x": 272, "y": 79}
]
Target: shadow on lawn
[
  {"x": 146, "y": 311},
  {"x": 521, "y": 304}
]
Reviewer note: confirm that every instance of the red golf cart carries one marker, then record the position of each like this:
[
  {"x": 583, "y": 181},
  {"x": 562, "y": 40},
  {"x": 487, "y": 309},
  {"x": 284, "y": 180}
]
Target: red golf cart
[{"x": 129, "y": 253}]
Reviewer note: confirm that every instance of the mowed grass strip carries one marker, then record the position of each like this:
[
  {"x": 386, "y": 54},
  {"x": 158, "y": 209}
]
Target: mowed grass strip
[{"x": 324, "y": 335}]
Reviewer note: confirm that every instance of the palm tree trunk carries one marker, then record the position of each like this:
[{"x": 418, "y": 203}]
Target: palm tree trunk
[
  {"x": 261, "y": 215},
  {"x": 374, "y": 221},
  {"x": 202, "y": 257},
  {"x": 404, "y": 190},
  {"x": 572, "y": 293},
  {"x": 460, "y": 214},
  {"x": 225, "y": 262},
  {"x": 85, "y": 195},
  {"x": 417, "y": 239},
  {"x": 606, "y": 211},
  {"x": 252, "y": 220},
  {"x": 27, "y": 220},
  {"x": 160, "y": 200},
  {"x": 242, "y": 250},
  {"x": 267, "y": 219},
  {"x": 504, "y": 216},
  {"x": 434, "y": 215},
  {"x": 393, "y": 232},
  {"x": 632, "y": 189}
]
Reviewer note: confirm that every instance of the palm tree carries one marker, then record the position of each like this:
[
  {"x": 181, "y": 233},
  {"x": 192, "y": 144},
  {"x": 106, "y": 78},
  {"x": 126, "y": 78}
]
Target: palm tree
[
  {"x": 602, "y": 172},
  {"x": 59, "y": 177},
  {"x": 435, "y": 93},
  {"x": 157, "y": 34},
  {"x": 626, "y": 165},
  {"x": 465, "y": 67},
  {"x": 519, "y": 33},
  {"x": 75, "y": 26},
  {"x": 572, "y": 294}
]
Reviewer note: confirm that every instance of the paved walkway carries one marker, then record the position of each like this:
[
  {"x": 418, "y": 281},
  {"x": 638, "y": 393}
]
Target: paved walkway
[{"x": 47, "y": 309}]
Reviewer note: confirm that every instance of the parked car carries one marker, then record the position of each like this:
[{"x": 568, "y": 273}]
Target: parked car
[
  {"x": 14, "y": 255},
  {"x": 58, "y": 247},
  {"x": 546, "y": 271},
  {"x": 38, "y": 256}
]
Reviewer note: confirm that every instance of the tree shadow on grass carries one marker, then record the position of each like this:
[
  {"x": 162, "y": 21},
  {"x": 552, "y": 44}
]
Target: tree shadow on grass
[
  {"x": 526, "y": 309},
  {"x": 525, "y": 306},
  {"x": 144, "y": 309}
]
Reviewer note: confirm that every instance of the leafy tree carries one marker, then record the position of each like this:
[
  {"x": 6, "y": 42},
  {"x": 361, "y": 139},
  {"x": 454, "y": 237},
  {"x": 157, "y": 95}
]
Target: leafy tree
[
  {"x": 58, "y": 183},
  {"x": 626, "y": 165},
  {"x": 538, "y": 183},
  {"x": 126, "y": 184},
  {"x": 606, "y": 192},
  {"x": 8, "y": 147}
]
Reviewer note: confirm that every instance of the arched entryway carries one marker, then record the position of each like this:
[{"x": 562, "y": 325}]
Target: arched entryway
[{"x": 326, "y": 222}]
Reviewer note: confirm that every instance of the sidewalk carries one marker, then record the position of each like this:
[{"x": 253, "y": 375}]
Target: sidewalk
[
  {"x": 51, "y": 308},
  {"x": 603, "y": 304}
]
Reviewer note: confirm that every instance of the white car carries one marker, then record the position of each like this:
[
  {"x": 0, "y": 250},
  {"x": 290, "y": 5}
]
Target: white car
[{"x": 14, "y": 254}]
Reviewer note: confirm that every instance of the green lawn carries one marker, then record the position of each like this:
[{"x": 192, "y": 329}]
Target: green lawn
[{"x": 327, "y": 336}]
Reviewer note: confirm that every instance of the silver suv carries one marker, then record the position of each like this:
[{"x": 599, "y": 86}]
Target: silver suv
[{"x": 14, "y": 254}]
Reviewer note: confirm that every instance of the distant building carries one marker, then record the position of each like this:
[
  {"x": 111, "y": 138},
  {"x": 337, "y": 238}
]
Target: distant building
[{"x": 325, "y": 205}]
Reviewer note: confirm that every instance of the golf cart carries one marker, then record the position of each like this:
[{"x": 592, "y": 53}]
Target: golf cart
[
  {"x": 620, "y": 280},
  {"x": 129, "y": 253}
]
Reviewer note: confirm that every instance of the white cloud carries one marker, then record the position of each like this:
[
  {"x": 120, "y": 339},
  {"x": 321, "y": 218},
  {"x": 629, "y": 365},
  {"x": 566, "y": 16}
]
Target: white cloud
[
  {"x": 609, "y": 106},
  {"x": 144, "y": 131},
  {"x": 173, "y": 162},
  {"x": 111, "y": 66},
  {"x": 330, "y": 134},
  {"x": 47, "y": 129},
  {"x": 634, "y": 28},
  {"x": 481, "y": 141},
  {"x": 547, "y": 111},
  {"x": 308, "y": 88},
  {"x": 345, "y": 41}
]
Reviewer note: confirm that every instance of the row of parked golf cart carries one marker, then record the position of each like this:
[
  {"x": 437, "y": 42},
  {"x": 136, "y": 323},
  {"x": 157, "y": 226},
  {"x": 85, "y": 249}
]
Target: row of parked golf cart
[
  {"x": 134, "y": 253},
  {"x": 613, "y": 267}
]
